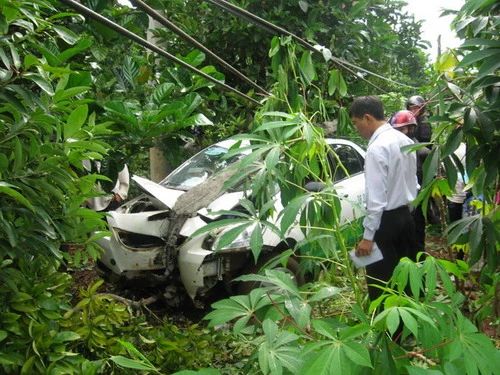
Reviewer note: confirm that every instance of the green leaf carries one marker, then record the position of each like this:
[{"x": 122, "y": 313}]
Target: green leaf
[
  {"x": 478, "y": 349},
  {"x": 221, "y": 223},
  {"x": 275, "y": 46},
  {"x": 285, "y": 115},
  {"x": 492, "y": 240},
  {"x": 41, "y": 82},
  {"x": 455, "y": 229},
  {"x": 236, "y": 307},
  {"x": 30, "y": 60},
  {"x": 256, "y": 241},
  {"x": 5, "y": 75},
  {"x": 357, "y": 353},
  {"x": 446, "y": 61},
  {"x": 475, "y": 237},
  {"x": 392, "y": 320},
  {"x": 289, "y": 214},
  {"x": 307, "y": 68},
  {"x": 70, "y": 52},
  {"x": 481, "y": 42},
  {"x": 299, "y": 311},
  {"x": 19, "y": 157},
  {"x": 451, "y": 171},
  {"x": 342, "y": 86},
  {"x": 50, "y": 58},
  {"x": 476, "y": 56},
  {"x": 198, "y": 119},
  {"x": 446, "y": 281},
  {"x": 69, "y": 93},
  {"x": 430, "y": 166},
  {"x": 326, "y": 292},
  {"x": 329, "y": 360},
  {"x": 325, "y": 328},
  {"x": 409, "y": 321},
  {"x": 64, "y": 336},
  {"x": 194, "y": 58},
  {"x": 161, "y": 92},
  {"x": 273, "y": 157},
  {"x": 65, "y": 34},
  {"x": 452, "y": 143},
  {"x": 131, "y": 71},
  {"x": 386, "y": 357},
  {"x": 479, "y": 24},
  {"x": 27, "y": 368},
  {"x": 131, "y": 363},
  {"x": 333, "y": 81},
  {"x": 203, "y": 371},
  {"x": 75, "y": 121},
  {"x": 430, "y": 281},
  {"x": 16, "y": 61},
  {"x": 230, "y": 235},
  {"x": 489, "y": 66},
  {"x": 7, "y": 189},
  {"x": 277, "y": 124},
  {"x": 5, "y": 59}
]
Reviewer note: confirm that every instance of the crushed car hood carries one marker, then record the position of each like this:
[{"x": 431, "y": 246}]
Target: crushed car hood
[
  {"x": 202, "y": 199},
  {"x": 166, "y": 196}
]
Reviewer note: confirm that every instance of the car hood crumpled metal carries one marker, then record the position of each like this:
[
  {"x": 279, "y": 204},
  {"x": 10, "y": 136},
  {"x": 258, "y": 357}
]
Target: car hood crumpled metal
[
  {"x": 203, "y": 199},
  {"x": 166, "y": 196}
]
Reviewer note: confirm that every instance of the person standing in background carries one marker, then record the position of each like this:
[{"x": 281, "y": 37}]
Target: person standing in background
[
  {"x": 391, "y": 186},
  {"x": 416, "y": 104},
  {"x": 405, "y": 122},
  {"x": 108, "y": 197},
  {"x": 458, "y": 198}
]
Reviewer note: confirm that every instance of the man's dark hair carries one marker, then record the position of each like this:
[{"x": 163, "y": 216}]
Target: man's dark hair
[{"x": 371, "y": 105}]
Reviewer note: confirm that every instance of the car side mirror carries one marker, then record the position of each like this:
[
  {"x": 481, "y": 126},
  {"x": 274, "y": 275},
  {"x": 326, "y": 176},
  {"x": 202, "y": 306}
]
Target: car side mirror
[{"x": 315, "y": 186}]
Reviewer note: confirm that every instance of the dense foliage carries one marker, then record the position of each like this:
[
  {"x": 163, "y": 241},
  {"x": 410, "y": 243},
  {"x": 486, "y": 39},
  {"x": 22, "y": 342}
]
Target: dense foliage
[
  {"x": 364, "y": 45},
  {"x": 72, "y": 89}
]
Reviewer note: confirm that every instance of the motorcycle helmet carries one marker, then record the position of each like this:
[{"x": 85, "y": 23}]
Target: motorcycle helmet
[
  {"x": 415, "y": 100},
  {"x": 403, "y": 118}
]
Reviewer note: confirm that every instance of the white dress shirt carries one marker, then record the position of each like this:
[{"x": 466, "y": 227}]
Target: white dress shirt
[{"x": 390, "y": 176}]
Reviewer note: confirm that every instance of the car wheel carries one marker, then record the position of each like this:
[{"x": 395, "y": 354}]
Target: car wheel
[{"x": 292, "y": 268}]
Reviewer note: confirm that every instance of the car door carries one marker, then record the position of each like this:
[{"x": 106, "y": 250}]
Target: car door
[{"x": 349, "y": 178}]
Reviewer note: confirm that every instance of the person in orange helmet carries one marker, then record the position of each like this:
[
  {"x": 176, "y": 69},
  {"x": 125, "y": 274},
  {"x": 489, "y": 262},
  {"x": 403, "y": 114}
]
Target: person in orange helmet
[{"x": 405, "y": 122}]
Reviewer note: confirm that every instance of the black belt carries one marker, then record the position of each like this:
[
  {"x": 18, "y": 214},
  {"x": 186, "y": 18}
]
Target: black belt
[{"x": 399, "y": 209}]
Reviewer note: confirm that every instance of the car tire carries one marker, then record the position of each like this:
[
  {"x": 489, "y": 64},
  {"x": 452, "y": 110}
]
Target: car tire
[{"x": 292, "y": 267}]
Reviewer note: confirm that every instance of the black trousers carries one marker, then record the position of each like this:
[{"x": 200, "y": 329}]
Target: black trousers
[
  {"x": 419, "y": 219},
  {"x": 396, "y": 239},
  {"x": 455, "y": 211}
]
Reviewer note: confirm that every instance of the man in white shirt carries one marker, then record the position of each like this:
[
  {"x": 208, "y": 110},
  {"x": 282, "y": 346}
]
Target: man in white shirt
[{"x": 391, "y": 185}]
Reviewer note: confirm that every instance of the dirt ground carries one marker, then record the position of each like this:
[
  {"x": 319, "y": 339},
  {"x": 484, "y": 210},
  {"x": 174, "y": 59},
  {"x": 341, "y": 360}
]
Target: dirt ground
[{"x": 436, "y": 246}]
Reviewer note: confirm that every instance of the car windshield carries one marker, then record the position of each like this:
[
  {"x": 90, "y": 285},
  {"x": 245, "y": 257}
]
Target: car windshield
[{"x": 199, "y": 168}]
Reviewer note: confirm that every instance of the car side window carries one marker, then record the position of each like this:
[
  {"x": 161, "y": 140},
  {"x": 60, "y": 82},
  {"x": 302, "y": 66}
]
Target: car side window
[{"x": 350, "y": 159}]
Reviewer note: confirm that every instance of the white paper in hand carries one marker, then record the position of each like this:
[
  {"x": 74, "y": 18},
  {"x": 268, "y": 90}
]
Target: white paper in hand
[{"x": 375, "y": 256}]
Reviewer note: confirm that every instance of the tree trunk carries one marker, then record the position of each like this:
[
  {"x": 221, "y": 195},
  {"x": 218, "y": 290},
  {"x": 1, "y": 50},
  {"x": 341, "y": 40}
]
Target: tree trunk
[{"x": 159, "y": 168}]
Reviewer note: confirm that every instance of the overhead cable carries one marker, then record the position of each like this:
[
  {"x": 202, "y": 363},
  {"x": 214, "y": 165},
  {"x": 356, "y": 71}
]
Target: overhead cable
[
  {"x": 165, "y": 22},
  {"x": 121, "y": 30},
  {"x": 244, "y": 14}
]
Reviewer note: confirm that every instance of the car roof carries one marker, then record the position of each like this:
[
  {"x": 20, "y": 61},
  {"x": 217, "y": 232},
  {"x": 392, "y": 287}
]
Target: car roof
[{"x": 227, "y": 143}]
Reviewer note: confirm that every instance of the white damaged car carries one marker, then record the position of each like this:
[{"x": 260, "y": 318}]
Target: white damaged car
[{"x": 152, "y": 241}]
